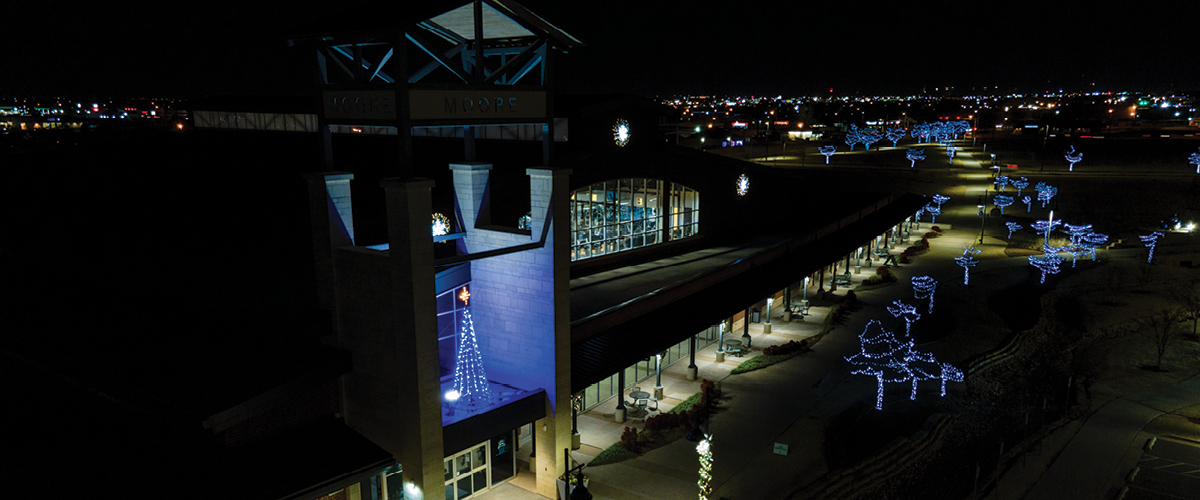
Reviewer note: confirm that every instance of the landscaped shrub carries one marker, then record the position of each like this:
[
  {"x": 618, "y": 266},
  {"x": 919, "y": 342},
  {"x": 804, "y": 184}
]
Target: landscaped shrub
[
  {"x": 936, "y": 229},
  {"x": 667, "y": 421},
  {"x": 931, "y": 234},
  {"x": 629, "y": 439},
  {"x": 787, "y": 347}
]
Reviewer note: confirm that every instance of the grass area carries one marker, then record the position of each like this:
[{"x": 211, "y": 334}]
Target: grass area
[
  {"x": 686, "y": 404},
  {"x": 613, "y": 454},
  {"x": 861, "y": 288},
  {"x": 762, "y": 361}
]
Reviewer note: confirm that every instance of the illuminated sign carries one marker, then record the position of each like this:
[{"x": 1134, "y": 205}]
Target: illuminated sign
[
  {"x": 740, "y": 125},
  {"x": 781, "y": 122},
  {"x": 466, "y": 105}
]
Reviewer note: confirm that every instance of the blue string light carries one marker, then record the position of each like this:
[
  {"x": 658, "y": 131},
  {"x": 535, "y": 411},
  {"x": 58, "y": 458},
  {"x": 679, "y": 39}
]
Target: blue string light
[
  {"x": 924, "y": 287},
  {"x": 1012, "y": 227},
  {"x": 933, "y": 211},
  {"x": 1073, "y": 157},
  {"x": 906, "y": 312},
  {"x": 1195, "y": 160},
  {"x": 1002, "y": 181},
  {"x": 853, "y": 136},
  {"x": 894, "y": 134},
  {"x": 950, "y": 152},
  {"x": 1045, "y": 193},
  {"x": 915, "y": 155},
  {"x": 1020, "y": 183},
  {"x": 1002, "y": 200},
  {"x": 1047, "y": 263},
  {"x": 470, "y": 379},
  {"x": 1092, "y": 241},
  {"x": 1028, "y": 203},
  {"x": 940, "y": 199},
  {"x": 1045, "y": 227},
  {"x": 827, "y": 151},
  {"x": 967, "y": 261},
  {"x": 1151, "y": 240},
  {"x": 889, "y": 360}
]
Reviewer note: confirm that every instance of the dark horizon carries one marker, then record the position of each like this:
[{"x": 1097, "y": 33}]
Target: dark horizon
[{"x": 648, "y": 49}]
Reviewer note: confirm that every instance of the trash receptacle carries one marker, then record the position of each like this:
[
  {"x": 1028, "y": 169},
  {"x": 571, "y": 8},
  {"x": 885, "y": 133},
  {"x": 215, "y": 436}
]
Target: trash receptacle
[{"x": 756, "y": 315}]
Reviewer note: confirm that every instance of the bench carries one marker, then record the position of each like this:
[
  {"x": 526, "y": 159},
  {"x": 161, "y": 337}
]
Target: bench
[{"x": 842, "y": 279}]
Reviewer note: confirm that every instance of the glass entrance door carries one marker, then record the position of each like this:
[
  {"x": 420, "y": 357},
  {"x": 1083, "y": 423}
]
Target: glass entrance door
[{"x": 467, "y": 472}]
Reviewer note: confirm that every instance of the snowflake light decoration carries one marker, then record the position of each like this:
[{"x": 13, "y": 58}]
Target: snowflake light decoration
[
  {"x": 440, "y": 225},
  {"x": 1012, "y": 228},
  {"x": 924, "y": 287},
  {"x": 621, "y": 132},
  {"x": 743, "y": 185}
]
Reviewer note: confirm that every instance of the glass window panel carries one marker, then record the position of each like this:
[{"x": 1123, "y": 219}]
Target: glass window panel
[
  {"x": 448, "y": 469},
  {"x": 597, "y": 249},
  {"x": 464, "y": 486},
  {"x": 638, "y": 241},
  {"x": 481, "y": 480},
  {"x": 450, "y": 491},
  {"x": 462, "y": 464},
  {"x": 479, "y": 456},
  {"x": 626, "y": 243},
  {"x": 591, "y": 395}
]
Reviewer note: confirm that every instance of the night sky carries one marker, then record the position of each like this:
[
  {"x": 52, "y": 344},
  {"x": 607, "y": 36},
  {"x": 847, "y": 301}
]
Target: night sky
[{"x": 185, "y": 49}]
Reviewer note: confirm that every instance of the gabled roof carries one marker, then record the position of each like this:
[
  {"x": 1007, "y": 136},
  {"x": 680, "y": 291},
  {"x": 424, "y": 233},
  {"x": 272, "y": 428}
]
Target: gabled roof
[{"x": 454, "y": 21}]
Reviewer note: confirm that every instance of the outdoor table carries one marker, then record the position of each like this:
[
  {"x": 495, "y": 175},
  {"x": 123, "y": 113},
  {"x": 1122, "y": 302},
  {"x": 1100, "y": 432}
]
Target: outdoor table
[
  {"x": 639, "y": 403},
  {"x": 734, "y": 345}
]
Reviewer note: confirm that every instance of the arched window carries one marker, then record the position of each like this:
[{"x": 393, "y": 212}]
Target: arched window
[{"x": 624, "y": 214}]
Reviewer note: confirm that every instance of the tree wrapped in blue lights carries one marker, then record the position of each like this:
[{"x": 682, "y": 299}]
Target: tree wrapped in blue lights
[
  {"x": 889, "y": 360},
  {"x": 1048, "y": 263},
  {"x": 853, "y": 136},
  {"x": 933, "y": 211},
  {"x": 920, "y": 132},
  {"x": 915, "y": 155},
  {"x": 924, "y": 287},
  {"x": 967, "y": 261},
  {"x": 1012, "y": 228},
  {"x": 1045, "y": 227},
  {"x": 906, "y": 312},
  {"x": 940, "y": 199},
  {"x": 1028, "y": 203},
  {"x": 1151, "y": 240},
  {"x": 470, "y": 379},
  {"x": 869, "y": 136},
  {"x": 1002, "y": 201},
  {"x": 1002, "y": 181},
  {"x": 1020, "y": 183},
  {"x": 1073, "y": 157},
  {"x": 960, "y": 127},
  {"x": 827, "y": 151},
  {"x": 1194, "y": 159},
  {"x": 1092, "y": 241},
  {"x": 894, "y": 134},
  {"x": 1046, "y": 193},
  {"x": 1077, "y": 232},
  {"x": 951, "y": 151}
]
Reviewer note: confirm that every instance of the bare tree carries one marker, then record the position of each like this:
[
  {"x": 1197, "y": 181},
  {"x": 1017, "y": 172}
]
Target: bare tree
[
  {"x": 1160, "y": 325},
  {"x": 1187, "y": 295}
]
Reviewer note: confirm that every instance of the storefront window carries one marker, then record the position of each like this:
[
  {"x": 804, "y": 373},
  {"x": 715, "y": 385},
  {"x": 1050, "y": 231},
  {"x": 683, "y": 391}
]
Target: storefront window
[{"x": 624, "y": 214}]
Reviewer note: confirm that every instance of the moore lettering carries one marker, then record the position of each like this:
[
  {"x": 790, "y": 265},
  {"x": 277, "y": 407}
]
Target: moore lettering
[
  {"x": 496, "y": 105},
  {"x": 378, "y": 105},
  {"x": 466, "y": 105}
]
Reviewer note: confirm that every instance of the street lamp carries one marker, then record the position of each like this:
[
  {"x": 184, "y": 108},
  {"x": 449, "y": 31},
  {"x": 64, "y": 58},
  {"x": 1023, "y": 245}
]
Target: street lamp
[{"x": 451, "y": 398}]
